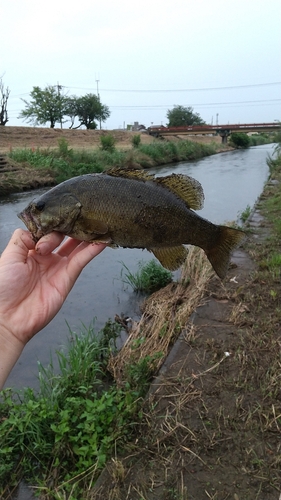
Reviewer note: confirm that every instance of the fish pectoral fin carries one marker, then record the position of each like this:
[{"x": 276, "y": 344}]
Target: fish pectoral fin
[
  {"x": 186, "y": 188},
  {"x": 94, "y": 226},
  {"x": 170, "y": 257},
  {"x": 97, "y": 238}
]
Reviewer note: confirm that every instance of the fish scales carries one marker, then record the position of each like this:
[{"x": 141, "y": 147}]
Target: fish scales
[
  {"x": 136, "y": 210},
  {"x": 138, "y": 214}
]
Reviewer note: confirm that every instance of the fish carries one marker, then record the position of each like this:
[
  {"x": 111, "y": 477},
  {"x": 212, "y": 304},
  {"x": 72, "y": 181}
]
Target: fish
[{"x": 134, "y": 209}]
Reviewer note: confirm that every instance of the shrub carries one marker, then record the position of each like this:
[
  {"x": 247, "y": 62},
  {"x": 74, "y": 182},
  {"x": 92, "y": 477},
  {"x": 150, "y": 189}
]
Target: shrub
[
  {"x": 136, "y": 140},
  {"x": 64, "y": 150},
  {"x": 107, "y": 143},
  {"x": 239, "y": 140}
]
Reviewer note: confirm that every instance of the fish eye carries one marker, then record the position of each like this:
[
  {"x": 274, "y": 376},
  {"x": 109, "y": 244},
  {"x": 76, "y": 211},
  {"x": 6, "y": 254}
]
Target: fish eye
[{"x": 40, "y": 205}]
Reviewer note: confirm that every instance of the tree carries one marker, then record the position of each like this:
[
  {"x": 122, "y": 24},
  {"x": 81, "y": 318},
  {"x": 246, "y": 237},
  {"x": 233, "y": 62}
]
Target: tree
[
  {"x": 4, "y": 96},
  {"x": 89, "y": 110},
  {"x": 46, "y": 105},
  {"x": 180, "y": 116}
]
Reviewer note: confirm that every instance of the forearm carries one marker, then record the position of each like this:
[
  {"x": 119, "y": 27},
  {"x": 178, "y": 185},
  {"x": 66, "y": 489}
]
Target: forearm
[{"x": 10, "y": 351}]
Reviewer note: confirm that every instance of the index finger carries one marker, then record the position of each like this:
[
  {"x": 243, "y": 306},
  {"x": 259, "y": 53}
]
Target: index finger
[{"x": 49, "y": 242}]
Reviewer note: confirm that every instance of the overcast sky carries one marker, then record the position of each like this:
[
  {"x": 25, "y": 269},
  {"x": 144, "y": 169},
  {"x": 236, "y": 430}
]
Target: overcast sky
[{"x": 221, "y": 57}]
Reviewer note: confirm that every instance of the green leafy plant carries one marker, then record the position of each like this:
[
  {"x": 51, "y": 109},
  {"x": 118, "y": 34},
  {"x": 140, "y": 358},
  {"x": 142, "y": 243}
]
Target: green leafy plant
[
  {"x": 245, "y": 214},
  {"x": 68, "y": 429},
  {"x": 136, "y": 140},
  {"x": 64, "y": 150},
  {"x": 107, "y": 143},
  {"x": 150, "y": 277},
  {"x": 239, "y": 140}
]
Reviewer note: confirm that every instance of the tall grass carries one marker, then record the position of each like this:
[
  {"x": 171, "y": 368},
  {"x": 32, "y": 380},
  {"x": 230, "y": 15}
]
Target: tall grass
[{"x": 65, "y": 162}]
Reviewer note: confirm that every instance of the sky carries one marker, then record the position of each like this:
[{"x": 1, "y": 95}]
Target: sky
[{"x": 221, "y": 57}]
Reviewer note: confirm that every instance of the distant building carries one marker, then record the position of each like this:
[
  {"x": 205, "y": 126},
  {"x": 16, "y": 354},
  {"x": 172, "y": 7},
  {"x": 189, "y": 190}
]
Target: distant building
[{"x": 137, "y": 127}]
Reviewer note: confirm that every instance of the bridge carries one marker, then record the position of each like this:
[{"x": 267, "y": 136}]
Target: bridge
[{"x": 223, "y": 130}]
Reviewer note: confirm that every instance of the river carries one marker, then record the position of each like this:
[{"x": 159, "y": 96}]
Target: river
[{"x": 231, "y": 181}]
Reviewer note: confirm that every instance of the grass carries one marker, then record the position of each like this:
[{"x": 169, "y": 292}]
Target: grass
[
  {"x": 245, "y": 214},
  {"x": 59, "y": 438},
  {"x": 64, "y": 162},
  {"x": 149, "y": 278},
  {"x": 51, "y": 166}
]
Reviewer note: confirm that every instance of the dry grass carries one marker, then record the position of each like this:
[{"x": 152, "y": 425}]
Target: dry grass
[{"x": 165, "y": 316}]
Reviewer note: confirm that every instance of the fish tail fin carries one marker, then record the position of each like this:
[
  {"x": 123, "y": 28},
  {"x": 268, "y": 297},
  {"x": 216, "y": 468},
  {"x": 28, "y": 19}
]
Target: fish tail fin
[{"x": 219, "y": 255}]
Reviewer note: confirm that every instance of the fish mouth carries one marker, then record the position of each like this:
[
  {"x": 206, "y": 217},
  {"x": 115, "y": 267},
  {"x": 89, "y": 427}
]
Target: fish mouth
[{"x": 32, "y": 224}]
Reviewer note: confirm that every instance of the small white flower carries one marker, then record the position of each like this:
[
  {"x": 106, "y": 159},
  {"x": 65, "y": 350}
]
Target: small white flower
[
  {"x": 234, "y": 280},
  {"x": 227, "y": 354}
]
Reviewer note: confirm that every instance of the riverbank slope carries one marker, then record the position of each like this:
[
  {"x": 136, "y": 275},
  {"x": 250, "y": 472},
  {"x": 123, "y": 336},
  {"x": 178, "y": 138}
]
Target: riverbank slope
[
  {"x": 38, "y": 137},
  {"x": 36, "y": 157}
]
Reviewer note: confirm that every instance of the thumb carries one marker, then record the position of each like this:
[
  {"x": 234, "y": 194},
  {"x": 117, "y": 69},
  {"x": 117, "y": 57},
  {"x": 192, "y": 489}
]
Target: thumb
[{"x": 18, "y": 247}]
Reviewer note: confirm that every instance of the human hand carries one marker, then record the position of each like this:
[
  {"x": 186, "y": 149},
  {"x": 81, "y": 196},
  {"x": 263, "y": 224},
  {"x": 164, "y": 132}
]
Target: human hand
[{"x": 34, "y": 283}]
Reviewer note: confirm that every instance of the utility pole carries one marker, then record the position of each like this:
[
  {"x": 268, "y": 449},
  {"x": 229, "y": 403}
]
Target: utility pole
[
  {"x": 97, "y": 81},
  {"x": 59, "y": 87}
]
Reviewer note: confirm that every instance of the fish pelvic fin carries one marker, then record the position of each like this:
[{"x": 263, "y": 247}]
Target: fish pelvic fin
[
  {"x": 184, "y": 187},
  {"x": 219, "y": 255},
  {"x": 170, "y": 257}
]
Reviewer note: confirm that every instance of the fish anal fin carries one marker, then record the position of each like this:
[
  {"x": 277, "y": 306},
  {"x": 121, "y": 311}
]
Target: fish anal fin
[
  {"x": 219, "y": 255},
  {"x": 170, "y": 257},
  {"x": 186, "y": 188}
]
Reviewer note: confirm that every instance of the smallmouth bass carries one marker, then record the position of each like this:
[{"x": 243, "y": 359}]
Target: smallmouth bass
[{"x": 134, "y": 209}]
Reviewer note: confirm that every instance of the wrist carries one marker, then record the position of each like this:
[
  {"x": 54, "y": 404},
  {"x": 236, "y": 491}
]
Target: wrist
[{"x": 10, "y": 351}]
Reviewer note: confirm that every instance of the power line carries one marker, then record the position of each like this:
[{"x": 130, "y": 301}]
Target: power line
[
  {"x": 185, "y": 90},
  {"x": 155, "y": 106},
  {"x": 167, "y": 90}
]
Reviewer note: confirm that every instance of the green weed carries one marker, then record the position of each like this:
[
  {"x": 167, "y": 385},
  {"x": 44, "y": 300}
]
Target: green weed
[
  {"x": 107, "y": 143},
  {"x": 72, "y": 424},
  {"x": 136, "y": 140},
  {"x": 150, "y": 277},
  {"x": 35, "y": 158},
  {"x": 64, "y": 150},
  {"x": 245, "y": 214}
]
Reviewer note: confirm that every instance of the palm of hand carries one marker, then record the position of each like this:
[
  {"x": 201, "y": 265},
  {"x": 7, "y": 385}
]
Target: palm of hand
[{"x": 33, "y": 287}]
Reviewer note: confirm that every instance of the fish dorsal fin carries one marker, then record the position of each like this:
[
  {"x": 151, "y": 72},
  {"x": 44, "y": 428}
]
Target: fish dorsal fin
[
  {"x": 185, "y": 187},
  {"x": 141, "y": 175}
]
